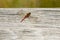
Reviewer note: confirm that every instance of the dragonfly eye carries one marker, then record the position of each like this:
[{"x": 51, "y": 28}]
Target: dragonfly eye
[{"x": 29, "y": 12}]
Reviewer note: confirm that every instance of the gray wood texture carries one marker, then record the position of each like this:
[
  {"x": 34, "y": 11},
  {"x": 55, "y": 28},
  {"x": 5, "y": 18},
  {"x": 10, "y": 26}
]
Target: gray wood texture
[{"x": 43, "y": 24}]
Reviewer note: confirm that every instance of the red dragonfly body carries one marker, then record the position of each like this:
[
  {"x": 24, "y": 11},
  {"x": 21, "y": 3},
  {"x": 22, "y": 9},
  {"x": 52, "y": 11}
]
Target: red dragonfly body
[{"x": 26, "y": 16}]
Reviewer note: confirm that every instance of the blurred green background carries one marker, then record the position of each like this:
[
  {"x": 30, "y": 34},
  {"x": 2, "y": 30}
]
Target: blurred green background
[{"x": 29, "y": 3}]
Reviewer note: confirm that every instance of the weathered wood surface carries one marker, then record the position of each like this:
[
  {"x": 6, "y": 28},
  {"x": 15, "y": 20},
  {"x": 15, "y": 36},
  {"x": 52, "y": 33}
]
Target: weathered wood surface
[{"x": 41, "y": 25}]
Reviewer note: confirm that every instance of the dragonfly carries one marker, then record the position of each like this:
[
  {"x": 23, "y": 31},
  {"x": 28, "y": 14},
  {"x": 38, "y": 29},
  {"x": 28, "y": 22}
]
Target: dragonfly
[{"x": 26, "y": 16}]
